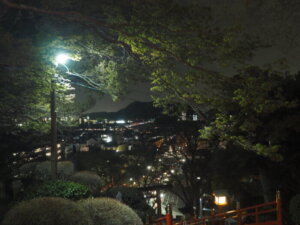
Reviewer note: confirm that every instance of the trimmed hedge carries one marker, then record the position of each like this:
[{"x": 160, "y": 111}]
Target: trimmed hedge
[
  {"x": 42, "y": 170},
  {"x": 108, "y": 211},
  {"x": 132, "y": 197},
  {"x": 58, "y": 188},
  {"x": 90, "y": 179},
  {"x": 47, "y": 211}
]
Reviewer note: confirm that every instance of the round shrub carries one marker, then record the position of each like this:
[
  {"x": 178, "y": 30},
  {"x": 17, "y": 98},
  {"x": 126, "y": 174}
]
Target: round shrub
[
  {"x": 65, "y": 169},
  {"x": 89, "y": 179},
  {"x": 58, "y": 188},
  {"x": 47, "y": 211},
  {"x": 295, "y": 209},
  {"x": 43, "y": 170},
  {"x": 107, "y": 211},
  {"x": 27, "y": 170},
  {"x": 133, "y": 198},
  {"x": 130, "y": 196}
]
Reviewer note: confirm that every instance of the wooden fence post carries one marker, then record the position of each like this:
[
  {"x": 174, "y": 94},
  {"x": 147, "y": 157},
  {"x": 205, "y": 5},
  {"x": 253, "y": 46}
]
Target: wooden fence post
[{"x": 279, "y": 208}]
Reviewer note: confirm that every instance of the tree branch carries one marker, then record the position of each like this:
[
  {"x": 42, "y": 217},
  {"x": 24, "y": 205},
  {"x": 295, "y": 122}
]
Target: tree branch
[{"x": 89, "y": 21}]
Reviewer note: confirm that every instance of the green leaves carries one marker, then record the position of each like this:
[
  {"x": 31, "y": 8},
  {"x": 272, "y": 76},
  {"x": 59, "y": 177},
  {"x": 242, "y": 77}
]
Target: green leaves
[
  {"x": 63, "y": 189},
  {"x": 258, "y": 111}
]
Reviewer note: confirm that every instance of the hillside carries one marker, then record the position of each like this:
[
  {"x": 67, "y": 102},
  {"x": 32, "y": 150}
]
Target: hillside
[{"x": 135, "y": 110}]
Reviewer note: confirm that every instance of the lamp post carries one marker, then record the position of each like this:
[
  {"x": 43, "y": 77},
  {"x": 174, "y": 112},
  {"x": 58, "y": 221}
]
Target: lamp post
[
  {"x": 60, "y": 59},
  {"x": 53, "y": 131}
]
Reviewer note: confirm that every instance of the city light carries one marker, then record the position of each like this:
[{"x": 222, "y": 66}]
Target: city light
[
  {"x": 120, "y": 121},
  {"x": 107, "y": 138}
]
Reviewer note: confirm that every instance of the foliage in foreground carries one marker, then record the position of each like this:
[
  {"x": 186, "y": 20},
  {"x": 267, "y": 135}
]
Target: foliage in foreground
[
  {"x": 107, "y": 211},
  {"x": 295, "y": 209},
  {"x": 47, "y": 211},
  {"x": 42, "y": 170},
  {"x": 63, "y": 189},
  {"x": 133, "y": 198},
  {"x": 89, "y": 179}
]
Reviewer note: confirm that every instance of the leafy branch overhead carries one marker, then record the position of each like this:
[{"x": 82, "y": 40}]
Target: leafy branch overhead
[
  {"x": 185, "y": 50},
  {"x": 171, "y": 40}
]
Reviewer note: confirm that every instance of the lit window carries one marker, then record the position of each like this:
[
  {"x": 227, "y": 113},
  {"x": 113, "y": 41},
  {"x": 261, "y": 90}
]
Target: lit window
[{"x": 195, "y": 117}]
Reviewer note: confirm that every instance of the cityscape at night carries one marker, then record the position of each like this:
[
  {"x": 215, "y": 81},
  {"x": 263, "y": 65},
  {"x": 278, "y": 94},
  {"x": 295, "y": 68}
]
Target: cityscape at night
[{"x": 149, "y": 112}]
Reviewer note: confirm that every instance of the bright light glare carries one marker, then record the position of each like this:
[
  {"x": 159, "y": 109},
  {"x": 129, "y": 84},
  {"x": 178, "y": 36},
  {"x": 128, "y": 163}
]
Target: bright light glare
[
  {"x": 220, "y": 200},
  {"x": 61, "y": 59}
]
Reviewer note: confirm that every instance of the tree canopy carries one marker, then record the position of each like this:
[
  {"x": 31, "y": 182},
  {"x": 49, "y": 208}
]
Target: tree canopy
[{"x": 183, "y": 48}]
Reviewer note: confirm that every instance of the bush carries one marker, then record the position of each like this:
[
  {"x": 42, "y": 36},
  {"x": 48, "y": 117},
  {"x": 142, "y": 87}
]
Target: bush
[
  {"x": 43, "y": 170},
  {"x": 89, "y": 179},
  {"x": 295, "y": 209},
  {"x": 47, "y": 211},
  {"x": 63, "y": 189},
  {"x": 130, "y": 196},
  {"x": 107, "y": 211},
  {"x": 5, "y": 205},
  {"x": 65, "y": 169},
  {"x": 133, "y": 198},
  {"x": 27, "y": 170}
]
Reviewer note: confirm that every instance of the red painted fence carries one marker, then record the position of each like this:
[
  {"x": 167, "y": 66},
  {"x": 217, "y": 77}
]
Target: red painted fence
[{"x": 264, "y": 214}]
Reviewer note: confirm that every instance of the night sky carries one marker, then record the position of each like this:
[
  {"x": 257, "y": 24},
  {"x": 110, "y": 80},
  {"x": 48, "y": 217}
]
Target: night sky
[{"x": 105, "y": 103}]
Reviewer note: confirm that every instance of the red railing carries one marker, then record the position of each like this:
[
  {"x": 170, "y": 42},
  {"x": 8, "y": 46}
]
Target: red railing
[
  {"x": 165, "y": 220},
  {"x": 264, "y": 214}
]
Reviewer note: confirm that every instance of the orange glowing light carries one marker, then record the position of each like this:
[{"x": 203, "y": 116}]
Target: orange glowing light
[{"x": 220, "y": 200}]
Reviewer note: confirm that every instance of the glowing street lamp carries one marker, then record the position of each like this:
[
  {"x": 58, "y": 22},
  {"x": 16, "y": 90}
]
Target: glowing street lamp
[{"x": 60, "y": 59}]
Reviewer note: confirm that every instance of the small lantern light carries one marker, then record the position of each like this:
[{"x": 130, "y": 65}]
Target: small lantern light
[{"x": 220, "y": 200}]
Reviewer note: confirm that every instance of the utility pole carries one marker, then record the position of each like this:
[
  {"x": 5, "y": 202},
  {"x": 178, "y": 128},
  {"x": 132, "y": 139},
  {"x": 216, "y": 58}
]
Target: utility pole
[{"x": 53, "y": 132}]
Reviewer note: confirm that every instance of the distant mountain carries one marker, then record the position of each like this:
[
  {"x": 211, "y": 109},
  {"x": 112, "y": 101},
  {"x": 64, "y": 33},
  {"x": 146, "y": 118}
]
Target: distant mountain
[{"x": 135, "y": 110}]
